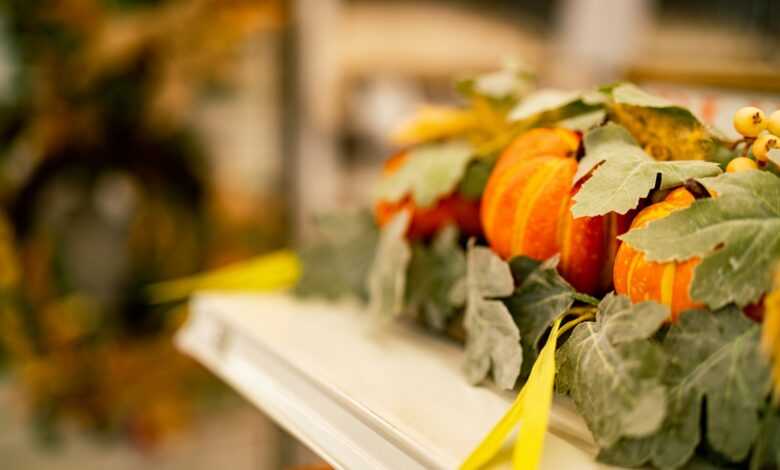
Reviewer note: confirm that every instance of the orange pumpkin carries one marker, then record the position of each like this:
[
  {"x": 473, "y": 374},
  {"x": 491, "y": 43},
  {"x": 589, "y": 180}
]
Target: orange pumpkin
[
  {"x": 668, "y": 283},
  {"x": 428, "y": 220},
  {"x": 526, "y": 210}
]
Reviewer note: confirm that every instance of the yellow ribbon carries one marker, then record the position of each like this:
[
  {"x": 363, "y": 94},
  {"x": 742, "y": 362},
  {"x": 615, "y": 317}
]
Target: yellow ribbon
[
  {"x": 537, "y": 394},
  {"x": 770, "y": 333},
  {"x": 275, "y": 271}
]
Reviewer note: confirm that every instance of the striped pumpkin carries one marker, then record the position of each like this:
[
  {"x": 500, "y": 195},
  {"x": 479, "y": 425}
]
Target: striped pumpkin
[
  {"x": 668, "y": 283},
  {"x": 452, "y": 209},
  {"x": 526, "y": 210}
]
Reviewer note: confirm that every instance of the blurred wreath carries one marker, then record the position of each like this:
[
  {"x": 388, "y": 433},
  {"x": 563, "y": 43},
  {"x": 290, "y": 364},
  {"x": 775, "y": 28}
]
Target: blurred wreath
[{"x": 104, "y": 189}]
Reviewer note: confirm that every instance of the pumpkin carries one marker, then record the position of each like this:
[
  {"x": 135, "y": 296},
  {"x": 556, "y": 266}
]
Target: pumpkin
[
  {"x": 526, "y": 210},
  {"x": 668, "y": 283},
  {"x": 451, "y": 209}
]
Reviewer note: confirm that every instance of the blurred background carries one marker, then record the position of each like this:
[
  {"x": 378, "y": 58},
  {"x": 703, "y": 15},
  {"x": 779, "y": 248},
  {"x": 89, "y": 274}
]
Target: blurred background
[{"x": 142, "y": 140}]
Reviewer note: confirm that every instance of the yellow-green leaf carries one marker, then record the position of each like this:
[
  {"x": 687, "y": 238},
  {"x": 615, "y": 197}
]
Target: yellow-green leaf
[{"x": 666, "y": 131}]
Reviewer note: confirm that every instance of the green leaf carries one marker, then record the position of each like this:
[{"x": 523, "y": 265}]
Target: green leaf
[
  {"x": 337, "y": 263},
  {"x": 492, "y": 338},
  {"x": 433, "y": 272},
  {"x": 766, "y": 452},
  {"x": 474, "y": 181},
  {"x": 541, "y": 298},
  {"x": 623, "y": 173},
  {"x": 387, "y": 278},
  {"x": 613, "y": 373},
  {"x": 737, "y": 235},
  {"x": 428, "y": 173},
  {"x": 522, "y": 267},
  {"x": 627, "y": 452},
  {"x": 717, "y": 356},
  {"x": 714, "y": 358},
  {"x": 667, "y": 131}
]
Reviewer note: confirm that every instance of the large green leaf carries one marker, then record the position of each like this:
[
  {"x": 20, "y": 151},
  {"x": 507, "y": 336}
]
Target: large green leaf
[
  {"x": 667, "y": 131},
  {"x": 337, "y": 263},
  {"x": 613, "y": 373},
  {"x": 542, "y": 297},
  {"x": 428, "y": 173},
  {"x": 737, "y": 235},
  {"x": 387, "y": 278},
  {"x": 714, "y": 358},
  {"x": 434, "y": 270},
  {"x": 492, "y": 338},
  {"x": 623, "y": 173}
]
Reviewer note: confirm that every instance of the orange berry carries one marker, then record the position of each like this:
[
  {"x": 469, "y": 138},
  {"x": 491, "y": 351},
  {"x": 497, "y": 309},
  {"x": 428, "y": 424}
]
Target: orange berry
[
  {"x": 749, "y": 121},
  {"x": 741, "y": 164},
  {"x": 763, "y": 144}
]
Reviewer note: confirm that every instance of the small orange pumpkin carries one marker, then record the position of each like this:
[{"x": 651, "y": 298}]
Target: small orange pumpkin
[
  {"x": 428, "y": 220},
  {"x": 668, "y": 283},
  {"x": 526, "y": 210},
  {"x": 527, "y": 193}
]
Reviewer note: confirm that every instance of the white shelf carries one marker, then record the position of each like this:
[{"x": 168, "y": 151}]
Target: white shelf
[{"x": 361, "y": 394}]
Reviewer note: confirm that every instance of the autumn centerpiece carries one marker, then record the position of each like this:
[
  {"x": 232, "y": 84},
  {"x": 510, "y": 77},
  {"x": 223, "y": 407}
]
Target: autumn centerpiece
[
  {"x": 612, "y": 189},
  {"x": 586, "y": 244}
]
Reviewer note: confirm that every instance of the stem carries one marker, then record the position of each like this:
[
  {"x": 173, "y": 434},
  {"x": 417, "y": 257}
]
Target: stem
[
  {"x": 571, "y": 324},
  {"x": 733, "y": 145},
  {"x": 585, "y": 298},
  {"x": 748, "y": 143}
]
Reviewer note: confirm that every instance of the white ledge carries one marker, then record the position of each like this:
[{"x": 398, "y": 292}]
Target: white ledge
[{"x": 362, "y": 395}]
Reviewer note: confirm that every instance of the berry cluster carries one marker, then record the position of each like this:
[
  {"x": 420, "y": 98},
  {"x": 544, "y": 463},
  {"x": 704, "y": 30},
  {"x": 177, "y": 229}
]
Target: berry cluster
[{"x": 760, "y": 136}]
